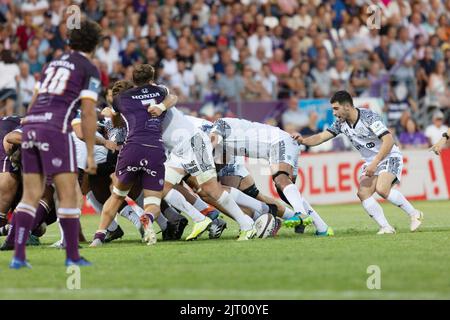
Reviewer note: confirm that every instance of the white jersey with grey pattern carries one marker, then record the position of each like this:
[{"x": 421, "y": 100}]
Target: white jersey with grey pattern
[
  {"x": 245, "y": 138},
  {"x": 365, "y": 135},
  {"x": 118, "y": 135}
]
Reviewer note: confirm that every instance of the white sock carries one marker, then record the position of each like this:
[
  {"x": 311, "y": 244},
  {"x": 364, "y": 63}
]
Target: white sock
[
  {"x": 288, "y": 213},
  {"x": 227, "y": 202},
  {"x": 129, "y": 214},
  {"x": 200, "y": 205},
  {"x": 61, "y": 232},
  {"x": 98, "y": 207},
  {"x": 375, "y": 211},
  {"x": 244, "y": 200},
  {"x": 176, "y": 200},
  {"x": 162, "y": 222},
  {"x": 398, "y": 199},
  {"x": 295, "y": 198},
  {"x": 320, "y": 225},
  {"x": 113, "y": 225}
]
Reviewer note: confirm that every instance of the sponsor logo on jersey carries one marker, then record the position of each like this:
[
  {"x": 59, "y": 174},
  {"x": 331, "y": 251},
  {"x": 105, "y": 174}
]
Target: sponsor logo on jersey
[
  {"x": 56, "y": 162},
  {"x": 42, "y": 146},
  {"x": 146, "y": 96},
  {"x": 146, "y": 170},
  {"x": 39, "y": 118},
  {"x": 370, "y": 145}
]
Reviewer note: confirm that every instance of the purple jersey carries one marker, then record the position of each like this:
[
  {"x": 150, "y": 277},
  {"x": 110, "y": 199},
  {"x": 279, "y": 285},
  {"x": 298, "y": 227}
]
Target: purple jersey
[
  {"x": 132, "y": 104},
  {"x": 64, "y": 82}
]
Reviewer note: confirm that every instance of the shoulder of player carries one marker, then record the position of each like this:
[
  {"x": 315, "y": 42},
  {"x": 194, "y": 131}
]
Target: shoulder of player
[{"x": 367, "y": 117}]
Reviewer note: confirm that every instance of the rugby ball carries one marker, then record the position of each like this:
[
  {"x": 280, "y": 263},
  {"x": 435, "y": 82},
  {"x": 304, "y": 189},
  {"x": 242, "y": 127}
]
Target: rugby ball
[{"x": 265, "y": 225}]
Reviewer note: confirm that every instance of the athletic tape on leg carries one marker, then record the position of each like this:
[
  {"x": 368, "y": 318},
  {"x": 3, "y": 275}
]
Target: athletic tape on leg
[{"x": 120, "y": 193}]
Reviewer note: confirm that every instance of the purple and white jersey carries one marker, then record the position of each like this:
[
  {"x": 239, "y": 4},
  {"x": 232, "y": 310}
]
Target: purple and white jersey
[
  {"x": 7, "y": 125},
  {"x": 132, "y": 104},
  {"x": 64, "y": 82}
]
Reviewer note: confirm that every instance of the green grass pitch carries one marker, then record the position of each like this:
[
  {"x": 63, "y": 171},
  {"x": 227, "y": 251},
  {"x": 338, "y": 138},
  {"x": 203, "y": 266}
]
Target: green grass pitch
[{"x": 413, "y": 265}]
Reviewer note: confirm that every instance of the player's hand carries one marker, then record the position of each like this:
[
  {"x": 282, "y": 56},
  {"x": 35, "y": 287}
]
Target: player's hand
[
  {"x": 91, "y": 167},
  {"x": 370, "y": 169},
  {"x": 154, "y": 111},
  {"x": 297, "y": 137},
  {"x": 111, "y": 145},
  {"x": 437, "y": 148}
]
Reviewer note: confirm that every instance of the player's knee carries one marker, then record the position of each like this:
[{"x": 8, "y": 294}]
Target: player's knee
[
  {"x": 251, "y": 191},
  {"x": 281, "y": 179},
  {"x": 383, "y": 192}
]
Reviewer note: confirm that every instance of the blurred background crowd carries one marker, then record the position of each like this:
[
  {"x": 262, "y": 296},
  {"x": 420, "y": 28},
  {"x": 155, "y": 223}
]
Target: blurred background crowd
[{"x": 253, "y": 50}]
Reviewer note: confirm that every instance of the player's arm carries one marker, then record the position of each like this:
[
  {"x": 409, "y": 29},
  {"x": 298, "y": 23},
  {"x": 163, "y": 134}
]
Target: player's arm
[
  {"x": 215, "y": 138},
  {"x": 11, "y": 139},
  {"x": 315, "y": 139},
  {"x": 116, "y": 119},
  {"x": 437, "y": 148},
  {"x": 88, "y": 128},
  {"x": 157, "y": 109}
]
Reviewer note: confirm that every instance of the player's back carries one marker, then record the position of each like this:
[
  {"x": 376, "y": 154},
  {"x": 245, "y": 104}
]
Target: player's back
[
  {"x": 177, "y": 129},
  {"x": 64, "y": 82},
  {"x": 142, "y": 128}
]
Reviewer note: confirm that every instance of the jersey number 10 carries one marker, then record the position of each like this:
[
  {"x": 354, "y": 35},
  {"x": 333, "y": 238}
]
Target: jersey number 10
[{"x": 55, "y": 81}]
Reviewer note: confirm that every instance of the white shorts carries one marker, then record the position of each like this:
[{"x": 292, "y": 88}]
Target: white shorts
[
  {"x": 285, "y": 151},
  {"x": 194, "y": 156},
  {"x": 233, "y": 169},
  {"x": 392, "y": 165}
]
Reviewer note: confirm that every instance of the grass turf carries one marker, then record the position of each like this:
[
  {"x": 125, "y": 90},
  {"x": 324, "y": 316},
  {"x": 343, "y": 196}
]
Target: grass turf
[{"x": 413, "y": 265}]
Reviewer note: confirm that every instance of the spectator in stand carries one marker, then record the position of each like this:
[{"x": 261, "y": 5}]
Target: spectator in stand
[
  {"x": 183, "y": 82},
  {"x": 435, "y": 130},
  {"x": 322, "y": 79},
  {"x": 230, "y": 84},
  {"x": 130, "y": 55},
  {"x": 9, "y": 72},
  {"x": 26, "y": 86},
  {"x": 412, "y": 138},
  {"x": 36, "y": 9},
  {"x": 253, "y": 88},
  {"x": 340, "y": 76},
  {"x": 294, "y": 84},
  {"x": 25, "y": 31},
  {"x": 294, "y": 119},
  {"x": 312, "y": 127},
  {"x": 268, "y": 81},
  {"x": 438, "y": 91},
  {"x": 278, "y": 66},
  {"x": 107, "y": 54},
  {"x": 260, "y": 38}
]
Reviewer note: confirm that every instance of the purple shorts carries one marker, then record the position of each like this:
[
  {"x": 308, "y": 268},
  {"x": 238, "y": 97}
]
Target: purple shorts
[
  {"x": 137, "y": 162},
  {"x": 47, "y": 152}
]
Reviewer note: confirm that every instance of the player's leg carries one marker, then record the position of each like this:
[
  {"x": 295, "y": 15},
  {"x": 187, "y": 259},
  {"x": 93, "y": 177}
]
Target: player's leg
[
  {"x": 367, "y": 187},
  {"x": 68, "y": 212},
  {"x": 9, "y": 183},
  {"x": 152, "y": 210},
  {"x": 384, "y": 189},
  {"x": 24, "y": 216},
  {"x": 173, "y": 176},
  {"x": 202, "y": 206},
  {"x": 110, "y": 208}
]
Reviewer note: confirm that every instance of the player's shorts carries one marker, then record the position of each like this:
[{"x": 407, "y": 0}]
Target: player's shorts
[
  {"x": 47, "y": 152},
  {"x": 194, "y": 156},
  {"x": 136, "y": 161},
  {"x": 285, "y": 151},
  {"x": 392, "y": 165},
  {"x": 7, "y": 166},
  {"x": 233, "y": 170}
]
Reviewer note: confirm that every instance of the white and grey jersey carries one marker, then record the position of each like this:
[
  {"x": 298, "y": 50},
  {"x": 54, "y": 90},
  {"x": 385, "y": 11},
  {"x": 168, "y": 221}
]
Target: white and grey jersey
[
  {"x": 177, "y": 129},
  {"x": 246, "y": 138},
  {"x": 201, "y": 123},
  {"x": 118, "y": 135},
  {"x": 365, "y": 134}
]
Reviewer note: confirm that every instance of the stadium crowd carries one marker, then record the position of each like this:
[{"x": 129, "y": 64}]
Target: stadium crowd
[{"x": 253, "y": 50}]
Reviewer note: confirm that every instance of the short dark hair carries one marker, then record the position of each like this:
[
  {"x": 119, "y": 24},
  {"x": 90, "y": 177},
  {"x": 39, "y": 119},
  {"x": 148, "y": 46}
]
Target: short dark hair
[
  {"x": 85, "y": 38},
  {"x": 342, "y": 97},
  {"x": 143, "y": 74},
  {"x": 121, "y": 86}
]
